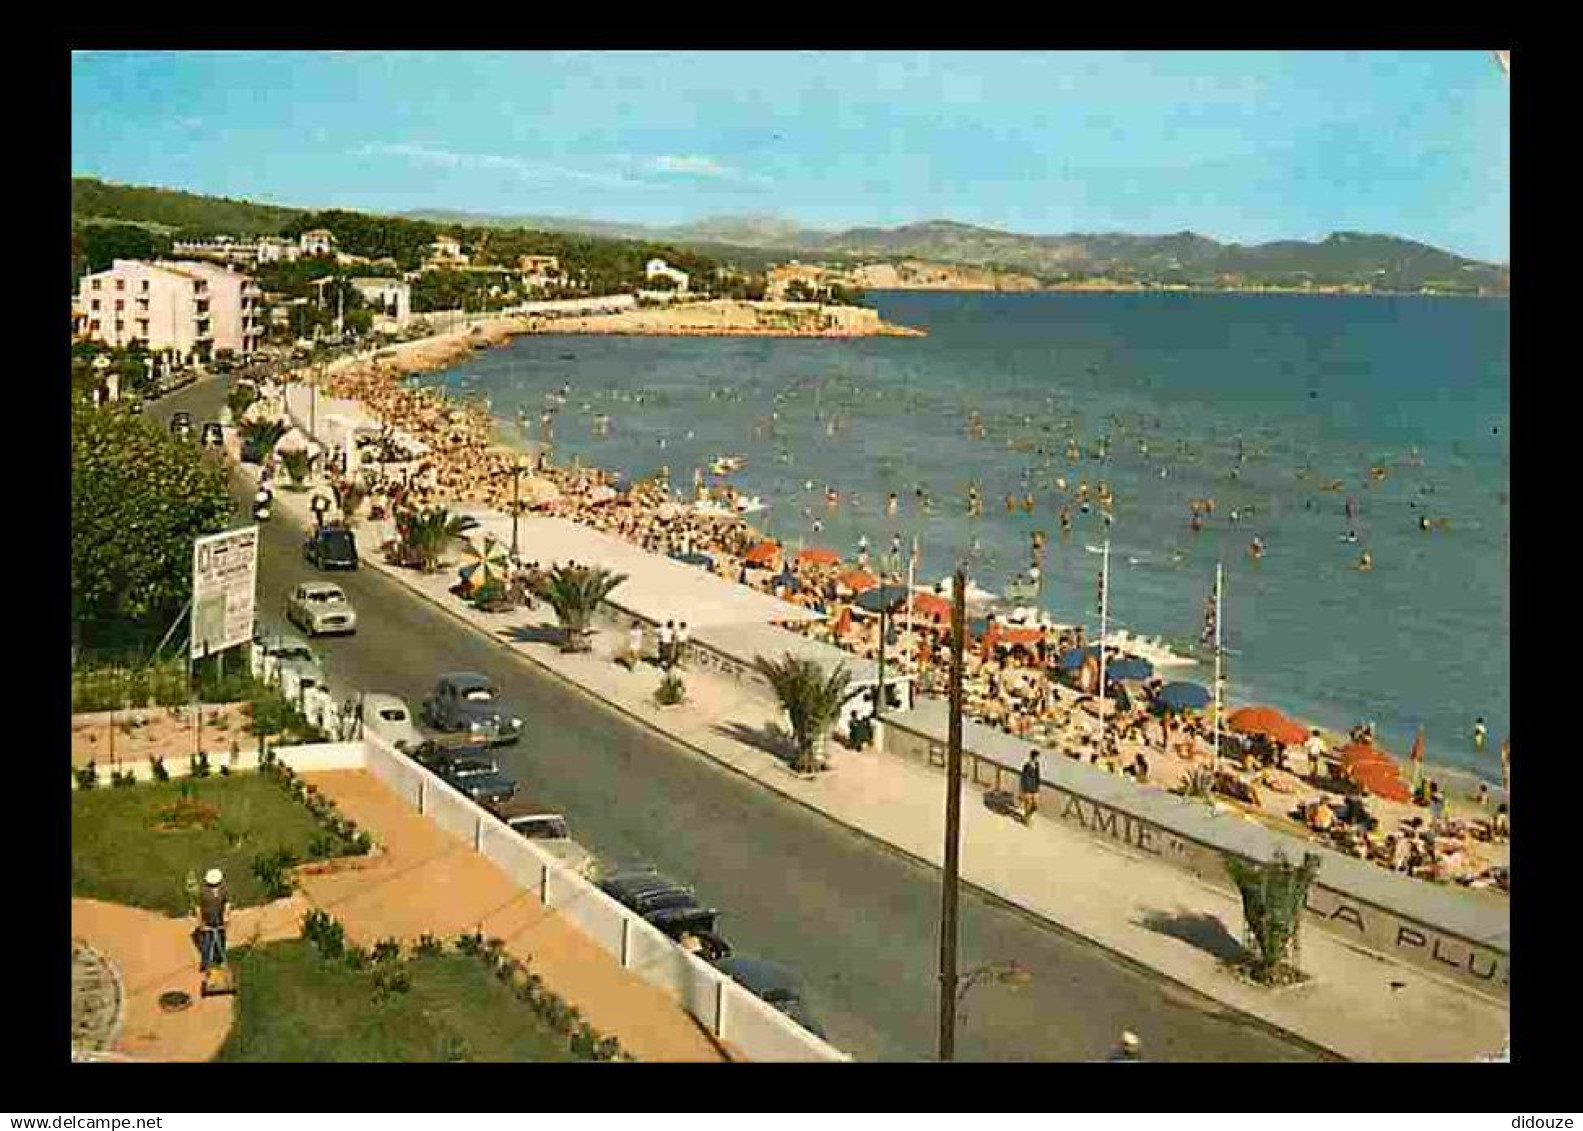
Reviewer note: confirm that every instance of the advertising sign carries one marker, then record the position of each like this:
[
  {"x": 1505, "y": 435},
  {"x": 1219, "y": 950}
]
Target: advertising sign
[{"x": 224, "y": 578}]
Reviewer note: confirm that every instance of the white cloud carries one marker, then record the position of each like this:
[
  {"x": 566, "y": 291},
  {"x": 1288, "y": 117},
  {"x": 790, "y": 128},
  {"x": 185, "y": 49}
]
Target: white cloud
[
  {"x": 692, "y": 166},
  {"x": 523, "y": 167}
]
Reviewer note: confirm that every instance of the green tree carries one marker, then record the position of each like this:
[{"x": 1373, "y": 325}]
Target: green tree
[
  {"x": 297, "y": 464},
  {"x": 574, "y": 592},
  {"x": 139, "y": 498},
  {"x": 426, "y": 536},
  {"x": 811, "y": 698},
  {"x": 259, "y": 438},
  {"x": 1273, "y": 894}
]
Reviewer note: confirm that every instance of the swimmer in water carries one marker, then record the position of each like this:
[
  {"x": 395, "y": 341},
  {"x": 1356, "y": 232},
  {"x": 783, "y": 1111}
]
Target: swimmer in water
[
  {"x": 1011, "y": 504},
  {"x": 1066, "y": 521},
  {"x": 1366, "y": 562},
  {"x": 1350, "y": 536},
  {"x": 1423, "y": 522},
  {"x": 1256, "y": 548},
  {"x": 1195, "y": 524},
  {"x": 891, "y": 504}
]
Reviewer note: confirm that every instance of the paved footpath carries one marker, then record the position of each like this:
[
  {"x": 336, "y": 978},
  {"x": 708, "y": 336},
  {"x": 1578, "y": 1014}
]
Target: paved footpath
[{"x": 1357, "y": 1004}]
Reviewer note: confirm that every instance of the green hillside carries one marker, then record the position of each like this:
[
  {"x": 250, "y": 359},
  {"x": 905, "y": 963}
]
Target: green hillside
[{"x": 175, "y": 211}]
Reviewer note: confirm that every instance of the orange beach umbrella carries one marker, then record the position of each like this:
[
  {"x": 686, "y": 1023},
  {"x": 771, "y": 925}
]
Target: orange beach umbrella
[
  {"x": 1269, "y": 722},
  {"x": 765, "y": 555},
  {"x": 932, "y": 606},
  {"x": 1380, "y": 779},
  {"x": 857, "y": 581},
  {"x": 816, "y": 556}
]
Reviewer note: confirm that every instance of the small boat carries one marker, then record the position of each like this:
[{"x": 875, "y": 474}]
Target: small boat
[{"x": 725, "y": 465}]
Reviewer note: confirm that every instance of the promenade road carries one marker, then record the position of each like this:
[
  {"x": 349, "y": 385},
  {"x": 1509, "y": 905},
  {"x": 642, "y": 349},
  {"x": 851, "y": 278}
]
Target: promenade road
[{"x": 858, "y": 920}]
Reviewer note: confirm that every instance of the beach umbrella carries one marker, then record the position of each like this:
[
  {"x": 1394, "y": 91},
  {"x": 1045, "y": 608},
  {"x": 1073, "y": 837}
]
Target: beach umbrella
[
  {"x": 817, "y": 556},
  {"x": 857, "y": 581},
  {"x": 1380, "y": 779},
  {"x": 932, "y": 607},
  {"x": 484, "y": 561},
  {"x": 882, "y": 598},
  {"x": 1073, "y": 658},
  {"x": 695, "y": 559},
  {"x": 765, "y": 555},
  {"x": 1268, "y": 722},
  {"x": 1129, "y": 668},
  {"x": 1182, "y": 696},
  {"x": 1358, "y": 753}
]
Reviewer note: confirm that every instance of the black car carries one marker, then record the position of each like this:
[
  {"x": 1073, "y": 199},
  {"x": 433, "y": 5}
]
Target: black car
[
  {"x": 181, "y": 424},
  {"x": 213, "y": 434},
  {"x": 486, "y": 789},
  {"x": 331, "y": 547},
  {"x": 773, "y": 983},
  {"x": 669, "y": 906},
  {"x": 469, "y": 702},
  {"x": 439, "y": 754}
]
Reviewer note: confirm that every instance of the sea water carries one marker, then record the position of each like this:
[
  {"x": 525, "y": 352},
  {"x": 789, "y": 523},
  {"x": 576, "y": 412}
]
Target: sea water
[{"x": 1280, "y": 407}]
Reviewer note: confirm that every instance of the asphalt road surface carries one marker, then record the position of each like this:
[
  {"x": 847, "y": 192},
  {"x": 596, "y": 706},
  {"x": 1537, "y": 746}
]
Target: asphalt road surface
[{"x": 856, "y": 920}]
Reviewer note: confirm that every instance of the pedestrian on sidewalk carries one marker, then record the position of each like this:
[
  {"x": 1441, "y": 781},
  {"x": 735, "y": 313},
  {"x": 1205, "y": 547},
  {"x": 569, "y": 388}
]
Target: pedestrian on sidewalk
[
  {"x": 635, "y": 644},
  {"x": 667, "y": 642},
  {"x": 1028, "y": 787},
  {"x": 683, "y": 635}
]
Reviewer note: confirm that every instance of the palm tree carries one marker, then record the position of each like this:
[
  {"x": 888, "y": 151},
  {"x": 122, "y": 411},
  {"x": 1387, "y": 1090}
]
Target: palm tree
[
  {"x": 296, "y": 463},
  {"x": 259, "y": 438},
  {"x": 1273, "y": 894},
  {"x": 429, "y": 534},
  {"x": 574, "y": 592},
  {"x": 812, "y": 699}
]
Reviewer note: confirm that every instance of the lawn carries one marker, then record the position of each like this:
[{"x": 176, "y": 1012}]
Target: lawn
[
  {"x": 120, "y": 853},
  {"x": 295, "y": 1005}
]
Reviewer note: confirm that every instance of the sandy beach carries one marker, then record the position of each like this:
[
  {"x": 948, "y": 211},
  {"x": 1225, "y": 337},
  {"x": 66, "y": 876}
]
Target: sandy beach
[{"x": 1012, "y": 676}]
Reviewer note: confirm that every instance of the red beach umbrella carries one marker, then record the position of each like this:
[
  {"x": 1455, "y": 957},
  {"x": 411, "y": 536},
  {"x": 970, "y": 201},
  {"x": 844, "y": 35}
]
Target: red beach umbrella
[
  {"x": 1380, "y": 779},
  {"x": 765, "y": 555},
  {"x": 1269, "y": 722},
  {"x": 1360, "y": 752},
  {"x": 857, "y": 581},
  {"x": 933, "y": 607},
  {"x": 815, "y": 556}
]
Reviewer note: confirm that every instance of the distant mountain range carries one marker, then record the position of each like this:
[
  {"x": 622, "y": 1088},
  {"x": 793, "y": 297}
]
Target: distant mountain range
[{"x": 1342, "y": 259}]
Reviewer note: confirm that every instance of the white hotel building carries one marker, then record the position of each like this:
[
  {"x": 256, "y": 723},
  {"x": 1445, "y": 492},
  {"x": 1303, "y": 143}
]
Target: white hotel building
[{"x": 185, "y": 307}]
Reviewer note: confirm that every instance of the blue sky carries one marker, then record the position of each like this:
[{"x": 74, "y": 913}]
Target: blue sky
[{"x": 1244, "y": 146}]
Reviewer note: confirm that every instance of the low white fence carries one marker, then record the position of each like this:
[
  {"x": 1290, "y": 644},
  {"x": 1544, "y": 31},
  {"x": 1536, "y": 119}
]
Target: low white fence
[
  {"x": 306, "y": 759},
  {"x": 727, "y": 1010}
]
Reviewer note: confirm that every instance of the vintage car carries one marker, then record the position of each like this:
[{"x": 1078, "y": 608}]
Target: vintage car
[
  {"x": 331, "y": 547},
  {"x": 181, "y": 425},
  {"x": 291, "y": 652},
  {"x": 484, "y": 782},
  {"x": 546, "y": 827},
  {"x": 388, "y": 717},
  {"x": 671, "y": 907},
  {"x": 213, "y": 434},
  {"x": 773, "y": 983},
  {"x": 320, "y": 608},
  {"x": 469, "y": 702}
]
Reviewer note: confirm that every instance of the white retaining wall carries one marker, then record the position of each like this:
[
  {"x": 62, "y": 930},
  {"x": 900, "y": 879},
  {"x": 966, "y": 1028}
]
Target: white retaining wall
[
  {"x": 726, "y": 1009},
  {"x": 305, "y": 759}
]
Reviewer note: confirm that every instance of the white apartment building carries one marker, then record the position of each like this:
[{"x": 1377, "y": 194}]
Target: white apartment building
[
  {"x": 446, "y": 251},
  {"x": 185, "y": 307},
  {"x": 319, "y": 241},
  {"x": 391, "y": 300}
]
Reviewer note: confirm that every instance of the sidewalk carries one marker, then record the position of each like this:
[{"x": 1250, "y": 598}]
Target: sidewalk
[{"x": 1357, "y": 1004}]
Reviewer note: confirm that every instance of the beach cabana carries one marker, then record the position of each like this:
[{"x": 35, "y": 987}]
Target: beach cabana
[{"x": 1269, "y": 722}]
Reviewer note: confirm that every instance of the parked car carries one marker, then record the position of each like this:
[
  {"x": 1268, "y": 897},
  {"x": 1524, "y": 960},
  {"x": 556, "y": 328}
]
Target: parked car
[
  {"x": 181, "y": 425},
  {"x": 773, "y": 983},
  {"x": 331, "y": 547},
  {"x": 669, "y": 906},
  {"x": 546, "y": 827},
  {"x": 437, "y": 754},
  {"x": 388, "y": 717},
  {"x": 467, "y": 701},
  {"x": 320, "y": 608},
  {"x": 485, "y": 787},
  {"x": 292, "y": 652},
  {"x": 213, "y": 434}
]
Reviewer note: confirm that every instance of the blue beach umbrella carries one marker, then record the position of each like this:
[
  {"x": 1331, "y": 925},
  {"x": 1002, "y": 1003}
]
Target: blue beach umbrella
[
  {"x": 1183, "y": 696},
  {"x": 1129, "y": 668},
  {"x": 882, "y": 598},
  {"x": 1073, "y": 658}
]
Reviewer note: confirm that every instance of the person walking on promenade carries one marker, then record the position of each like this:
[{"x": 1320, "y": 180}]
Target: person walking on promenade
[
  {"x": 679, "y": 645},
  {"x": 1028, "y": 787},
  {"x": 213, "y": 906},
  {"x": 635, "y": 644},
  {"x": 667, "y": 641},
  {"x": 1128, "y": 1049}
]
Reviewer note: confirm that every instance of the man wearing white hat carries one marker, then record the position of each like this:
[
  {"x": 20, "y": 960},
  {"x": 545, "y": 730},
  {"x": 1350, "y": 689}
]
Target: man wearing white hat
[
  {"x": 212, "y": 908},
  {"x": 1129, "y": 1048}
]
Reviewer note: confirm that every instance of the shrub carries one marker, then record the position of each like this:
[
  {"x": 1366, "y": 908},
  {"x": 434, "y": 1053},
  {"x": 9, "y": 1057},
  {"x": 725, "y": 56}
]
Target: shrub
[
  {"x": 429, "y": 946},
  {"x": 200, "y": 765},
  {"x": 607, "y": 1048},
  {"x": 584, "y": 1041},
  {"x": 321, "y": 847},
  {"x": 670, "y": 691},
  {"x": 357, "y": 957},
  {"x": 87, "y": 776},
  {"x": 392, "y": 979},
  {"x": 137, "y": 688},
  {"x": 122, "y": 779},
  {"x": 386, "y": 950},
  {"x": 271, "y": 870},
  {"x": 325, "y": 933},
  {"x": 157, "y": 764}
]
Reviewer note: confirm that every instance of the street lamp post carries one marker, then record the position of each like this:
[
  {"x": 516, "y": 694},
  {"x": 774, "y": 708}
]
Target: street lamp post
[
  {"x": 517, "y": 468},
  {"x": 953, "y": 826}
]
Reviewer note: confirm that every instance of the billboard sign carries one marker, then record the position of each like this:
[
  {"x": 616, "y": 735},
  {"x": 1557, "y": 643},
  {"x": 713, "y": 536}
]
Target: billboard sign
[{"x": 224, "y": 579}]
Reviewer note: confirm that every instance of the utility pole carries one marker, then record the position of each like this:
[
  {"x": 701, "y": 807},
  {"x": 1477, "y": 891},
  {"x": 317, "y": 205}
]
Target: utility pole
[{"x": 953, "y": 825}]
